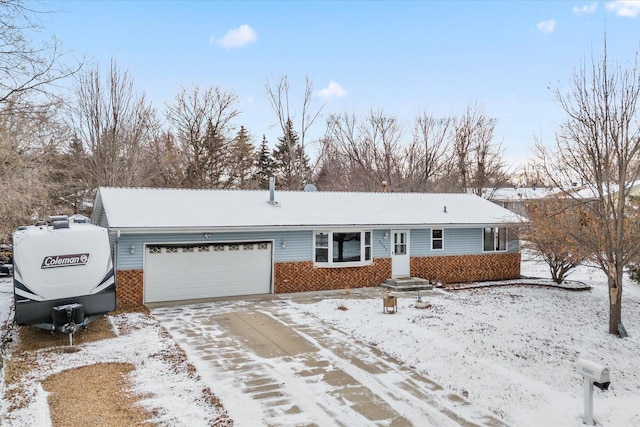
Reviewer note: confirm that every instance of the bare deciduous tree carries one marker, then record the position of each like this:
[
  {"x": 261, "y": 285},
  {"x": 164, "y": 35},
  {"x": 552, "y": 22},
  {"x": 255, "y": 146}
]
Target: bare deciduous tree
[
  {"x": 25, "y": 168},
  {"x": 202, "y": 124},
  {"x": 528, "y": 175},
  {"x": 548, "y": 232},
  {"x": 371, "y": 149},
  {"x": 290, "y": 118},
  {"x": 162, "y": 162},
  {"x": 599, "y": 145},
  {"x": 478, "y": 160},
  {"x": 114, "y": 124},
  {"x": 27, "y": 68},
  {"x": 428, "y": 156},
  {"x": 333, "y": 171}
]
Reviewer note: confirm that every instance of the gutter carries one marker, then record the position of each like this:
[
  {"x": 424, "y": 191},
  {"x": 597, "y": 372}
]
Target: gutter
[{"x": 306, "y": 227}]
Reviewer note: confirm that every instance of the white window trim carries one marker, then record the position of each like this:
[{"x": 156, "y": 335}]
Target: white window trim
[
  {"x": 330, "y": 263},
  {"x": 506, "y": 240},
  {"x": 431, "y": 235}
]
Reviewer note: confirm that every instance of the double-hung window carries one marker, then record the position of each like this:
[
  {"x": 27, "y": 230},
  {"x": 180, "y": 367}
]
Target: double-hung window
[
  {"x": 437, "y": 239},
  {"x": 342, "y": 248},
  {"x": 495, "y": 239}
]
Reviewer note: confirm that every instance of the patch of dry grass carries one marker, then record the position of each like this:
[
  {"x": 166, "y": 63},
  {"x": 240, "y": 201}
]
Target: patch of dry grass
[
  {"x": 97, "y": 394},
  {"x": 94, "y": 395},
  {"x": 89, "y": 395},
  {"x": 32, "y": 338}
]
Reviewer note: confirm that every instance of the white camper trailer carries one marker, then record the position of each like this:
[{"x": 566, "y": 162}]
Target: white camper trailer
[{"x": 63, "y": 274}]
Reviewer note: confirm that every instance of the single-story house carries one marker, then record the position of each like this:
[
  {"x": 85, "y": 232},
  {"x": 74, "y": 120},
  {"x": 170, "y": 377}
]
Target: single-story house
[
  {"x": 589, "y": 192},
  {"x": 516, "y": 198},
  {"x": 181, "y": 244}
]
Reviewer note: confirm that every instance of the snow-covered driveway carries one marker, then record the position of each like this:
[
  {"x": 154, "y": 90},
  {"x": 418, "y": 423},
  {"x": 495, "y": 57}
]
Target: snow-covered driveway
[{"x": 271, "y": 368}]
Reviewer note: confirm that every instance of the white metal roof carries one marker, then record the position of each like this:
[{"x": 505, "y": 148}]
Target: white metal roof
[
  {"x": 519, "y": 193},
  {"x": 144, "y": 208}
]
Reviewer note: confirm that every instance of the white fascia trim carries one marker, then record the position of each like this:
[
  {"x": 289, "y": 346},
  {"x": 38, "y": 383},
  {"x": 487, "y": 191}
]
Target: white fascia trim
[{"x": 310, "y": 227}]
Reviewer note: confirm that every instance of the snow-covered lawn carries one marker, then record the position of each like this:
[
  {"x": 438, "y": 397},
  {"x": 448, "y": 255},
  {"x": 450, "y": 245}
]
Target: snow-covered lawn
[
  {"x": 511, "y": 350},
  {"x": 171, "y": 392}
]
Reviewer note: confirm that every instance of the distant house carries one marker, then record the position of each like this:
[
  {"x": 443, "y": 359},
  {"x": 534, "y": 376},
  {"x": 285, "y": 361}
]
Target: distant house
[
  {"x": 589, "y": 192},
  {"x": 635, "y": 189},
  {"x": 516, "y": 198},
  {"x": 176, "y": 244}
]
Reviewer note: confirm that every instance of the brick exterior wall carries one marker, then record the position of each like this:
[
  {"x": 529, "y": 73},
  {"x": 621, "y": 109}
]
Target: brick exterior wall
[
  {"x": 467, "y": 268},
  {"x": 129, "y": 291},
  {"x": 303, "y": 276}
]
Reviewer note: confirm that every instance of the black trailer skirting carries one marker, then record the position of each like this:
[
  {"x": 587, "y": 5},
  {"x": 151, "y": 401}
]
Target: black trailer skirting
[{"x": 39, "y": 312}]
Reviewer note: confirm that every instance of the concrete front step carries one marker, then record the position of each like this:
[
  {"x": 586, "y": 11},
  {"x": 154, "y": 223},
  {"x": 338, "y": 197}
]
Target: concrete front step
[{"x": 400, "y": 284}]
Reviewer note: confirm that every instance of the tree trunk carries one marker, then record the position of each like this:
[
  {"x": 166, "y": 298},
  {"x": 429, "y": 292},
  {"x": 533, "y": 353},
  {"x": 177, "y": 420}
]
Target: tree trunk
[{"x": 615, "y": 301}]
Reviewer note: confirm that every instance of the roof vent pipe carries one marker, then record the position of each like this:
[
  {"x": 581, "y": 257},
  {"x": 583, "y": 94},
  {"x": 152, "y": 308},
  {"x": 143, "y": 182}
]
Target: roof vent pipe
[{"x": 272, "y": 190}]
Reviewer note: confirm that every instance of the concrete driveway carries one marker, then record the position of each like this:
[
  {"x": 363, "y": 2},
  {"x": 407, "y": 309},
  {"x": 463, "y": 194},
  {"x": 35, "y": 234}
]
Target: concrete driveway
[{"x": 270, "y": 369}]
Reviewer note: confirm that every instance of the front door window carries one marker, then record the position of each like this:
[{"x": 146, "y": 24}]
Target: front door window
[{"x": 400, "y": 243}]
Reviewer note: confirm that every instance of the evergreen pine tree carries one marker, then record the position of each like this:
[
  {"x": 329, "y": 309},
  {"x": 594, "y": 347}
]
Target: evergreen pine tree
[
  {"x": 264, "y": 165},
  {"x": 291, "y": 164},
  {"x": 243, "y": 159},
  {"x": 216, "y": 161}
]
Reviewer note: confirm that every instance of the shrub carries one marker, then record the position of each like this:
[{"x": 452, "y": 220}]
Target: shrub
[{"x": 634, "y": 272}]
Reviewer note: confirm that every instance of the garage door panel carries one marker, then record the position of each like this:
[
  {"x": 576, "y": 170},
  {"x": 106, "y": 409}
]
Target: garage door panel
[{"x": 215, "y": 270}]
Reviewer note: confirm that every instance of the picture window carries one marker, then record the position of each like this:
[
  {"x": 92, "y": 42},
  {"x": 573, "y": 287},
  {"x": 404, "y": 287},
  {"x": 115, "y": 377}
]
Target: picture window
[{"x": 342, "y": 248}]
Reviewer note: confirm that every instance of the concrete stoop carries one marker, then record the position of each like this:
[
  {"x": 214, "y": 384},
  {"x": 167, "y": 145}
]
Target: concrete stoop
[{"x": 403, "y": 284}]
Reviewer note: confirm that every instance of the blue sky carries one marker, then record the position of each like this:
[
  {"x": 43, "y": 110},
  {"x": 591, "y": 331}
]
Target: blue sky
[{"x": 403, "y": 57}]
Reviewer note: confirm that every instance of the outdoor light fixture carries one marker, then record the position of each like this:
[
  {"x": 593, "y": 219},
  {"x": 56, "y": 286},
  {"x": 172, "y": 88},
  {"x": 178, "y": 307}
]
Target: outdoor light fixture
[
  {"x": 207, "y": 235},
  {"x": 283, "y": 244},
  {"x": 386, "y": 235},
  {"x": 132, "y": 249}
]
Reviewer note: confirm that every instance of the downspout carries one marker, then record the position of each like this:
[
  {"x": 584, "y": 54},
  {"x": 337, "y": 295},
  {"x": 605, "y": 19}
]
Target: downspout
[{"x": 115, "y": 263}]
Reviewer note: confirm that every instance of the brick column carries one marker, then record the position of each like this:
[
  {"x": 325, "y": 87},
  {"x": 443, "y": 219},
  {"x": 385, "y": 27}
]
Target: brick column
[{"x": 129, "y": 289}]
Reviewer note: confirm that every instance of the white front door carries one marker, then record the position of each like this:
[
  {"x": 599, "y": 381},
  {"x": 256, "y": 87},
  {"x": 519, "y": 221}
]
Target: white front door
[{"x": 400, "y": 257}]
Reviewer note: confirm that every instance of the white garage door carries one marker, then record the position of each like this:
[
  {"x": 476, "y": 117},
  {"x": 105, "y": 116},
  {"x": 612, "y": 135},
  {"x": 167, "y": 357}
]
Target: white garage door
[{"x": 179, "y": 272}]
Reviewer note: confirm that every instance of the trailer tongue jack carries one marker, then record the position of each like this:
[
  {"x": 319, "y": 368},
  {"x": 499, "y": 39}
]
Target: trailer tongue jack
[{"x": 68, "y": 318}]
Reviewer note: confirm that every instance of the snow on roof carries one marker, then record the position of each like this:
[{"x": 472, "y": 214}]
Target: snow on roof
[
  {"x": 519, "y": 193},
  {"x": 591, "y": 191},
  {"x": 239, "y": 209}
]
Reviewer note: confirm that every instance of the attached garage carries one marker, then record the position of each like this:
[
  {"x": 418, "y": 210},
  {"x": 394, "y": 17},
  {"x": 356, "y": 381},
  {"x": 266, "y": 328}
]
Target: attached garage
[{"x": 175, "y": 272}]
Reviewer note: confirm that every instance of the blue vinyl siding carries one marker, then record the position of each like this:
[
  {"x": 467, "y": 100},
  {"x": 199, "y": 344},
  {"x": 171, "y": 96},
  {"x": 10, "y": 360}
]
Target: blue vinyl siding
[
  {"x": 457, "y": 241},
  {"x": 419, "y": 242},
  {"x": 381, "y": 248},
  {"x": 298, "y": 247},
  {"x": 101, "y": 220},
  {"x": 513, "y": 243},
  {"x": 299, "y": 244}
]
